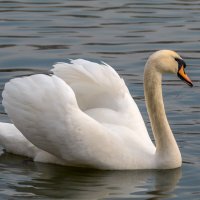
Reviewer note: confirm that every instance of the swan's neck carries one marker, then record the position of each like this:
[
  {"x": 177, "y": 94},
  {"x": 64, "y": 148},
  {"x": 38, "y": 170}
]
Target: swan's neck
[{"x": 167, "y": 151}]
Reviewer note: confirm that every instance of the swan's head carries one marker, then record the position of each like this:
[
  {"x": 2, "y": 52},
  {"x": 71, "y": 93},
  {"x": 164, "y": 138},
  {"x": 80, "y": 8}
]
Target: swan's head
[{"x": 167, "y": 61}]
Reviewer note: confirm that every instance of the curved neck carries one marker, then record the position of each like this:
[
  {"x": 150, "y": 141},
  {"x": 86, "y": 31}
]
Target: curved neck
[{"x": 166, "y": 146}]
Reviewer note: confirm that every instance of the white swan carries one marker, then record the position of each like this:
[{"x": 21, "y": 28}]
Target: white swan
[{"x": 85, "y": 116}]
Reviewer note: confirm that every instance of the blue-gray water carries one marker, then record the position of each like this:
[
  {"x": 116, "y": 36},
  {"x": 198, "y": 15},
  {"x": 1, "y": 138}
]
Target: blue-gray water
[{"x": 34, "y": 34}]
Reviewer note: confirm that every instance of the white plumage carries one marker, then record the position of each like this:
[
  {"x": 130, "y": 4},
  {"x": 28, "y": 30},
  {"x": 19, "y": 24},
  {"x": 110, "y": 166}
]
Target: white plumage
[{"x": 83, "y": 115}]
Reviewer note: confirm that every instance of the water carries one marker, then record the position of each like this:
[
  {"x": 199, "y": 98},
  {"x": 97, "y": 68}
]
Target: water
[{"x": 36, "y": 34}]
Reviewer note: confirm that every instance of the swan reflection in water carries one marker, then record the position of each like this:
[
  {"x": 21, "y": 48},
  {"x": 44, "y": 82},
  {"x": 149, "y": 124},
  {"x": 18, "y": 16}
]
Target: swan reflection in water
[{"x": 52, "y": 181}]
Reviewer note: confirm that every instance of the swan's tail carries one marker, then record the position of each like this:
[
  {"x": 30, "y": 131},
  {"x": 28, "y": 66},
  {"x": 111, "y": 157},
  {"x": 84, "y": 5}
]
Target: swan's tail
[{"x": 14, "y": 142}]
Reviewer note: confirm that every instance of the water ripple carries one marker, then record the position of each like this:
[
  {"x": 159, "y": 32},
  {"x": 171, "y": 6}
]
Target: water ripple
[{"x": 36, "y": 34}]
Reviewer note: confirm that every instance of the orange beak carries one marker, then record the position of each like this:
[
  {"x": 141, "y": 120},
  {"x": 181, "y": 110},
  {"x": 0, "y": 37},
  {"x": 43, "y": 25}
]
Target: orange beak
[{"x": 183, "y": 76}]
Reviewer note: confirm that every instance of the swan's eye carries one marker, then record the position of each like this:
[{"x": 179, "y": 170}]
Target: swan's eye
[{"x": 180, "y": 62}]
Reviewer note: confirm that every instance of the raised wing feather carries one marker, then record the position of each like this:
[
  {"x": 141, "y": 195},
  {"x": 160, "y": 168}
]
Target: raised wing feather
[
  {"x": 101, "y": 93},
  {"x": 36, "y": 104},
  {"x": 95, "y": 85}
]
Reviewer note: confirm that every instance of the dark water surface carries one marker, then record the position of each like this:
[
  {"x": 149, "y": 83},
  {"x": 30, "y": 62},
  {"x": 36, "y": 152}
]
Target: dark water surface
[{"x": 34, "y": 34}]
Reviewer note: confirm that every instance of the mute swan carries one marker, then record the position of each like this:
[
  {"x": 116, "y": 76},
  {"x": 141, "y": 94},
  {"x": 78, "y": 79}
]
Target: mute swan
[{"x": 84, "y": 115}]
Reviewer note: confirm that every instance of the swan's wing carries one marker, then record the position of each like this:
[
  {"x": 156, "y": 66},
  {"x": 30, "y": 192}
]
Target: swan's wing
[
  {"x": 95, "y": 85},
  {"x": 44, "y": 109},
  {"x": 14, "y": 142},
  {"x": 102, "y": 94}
]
